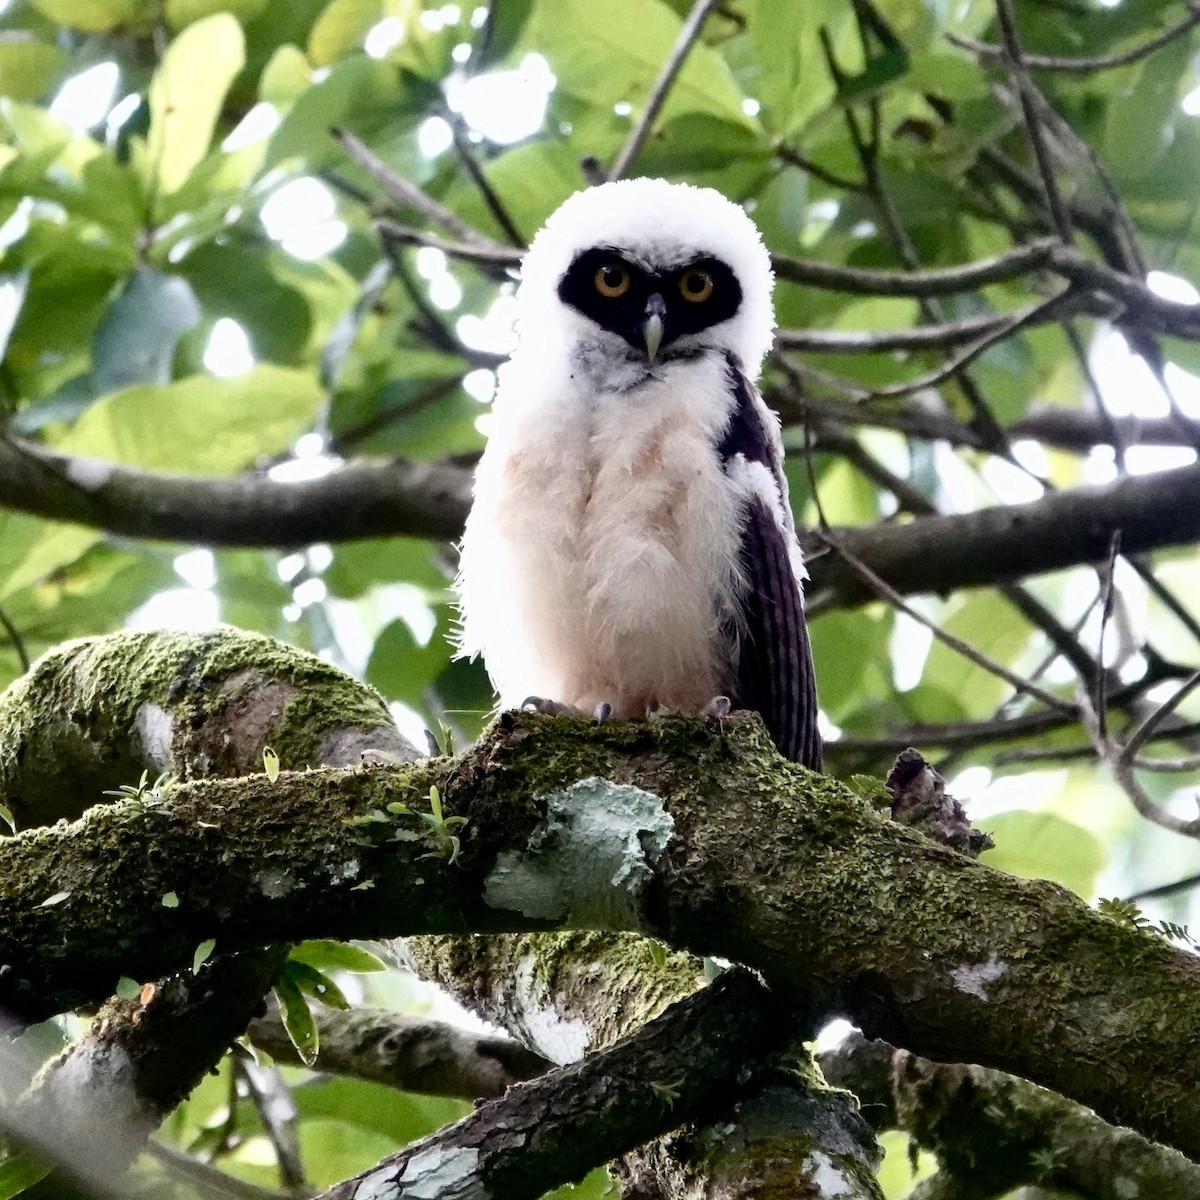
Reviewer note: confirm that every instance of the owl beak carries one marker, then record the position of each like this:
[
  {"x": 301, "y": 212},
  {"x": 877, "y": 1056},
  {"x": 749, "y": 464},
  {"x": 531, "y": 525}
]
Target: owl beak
[{"x": 652, "y": 326}]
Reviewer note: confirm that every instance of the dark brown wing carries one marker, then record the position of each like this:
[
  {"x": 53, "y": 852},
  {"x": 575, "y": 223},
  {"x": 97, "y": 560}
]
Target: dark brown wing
[{"x": 774, "y": 674}]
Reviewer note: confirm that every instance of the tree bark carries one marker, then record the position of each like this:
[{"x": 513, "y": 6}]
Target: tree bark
[{"x": 696, "y": 833}]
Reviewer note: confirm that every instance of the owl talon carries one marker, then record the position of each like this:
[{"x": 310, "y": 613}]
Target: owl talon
[
  {"x": 603, "y": 712},
  {"x": 548, "y": 708},
  {"x": 656, "y": 711},
  {"x": 719, "y": 707}
]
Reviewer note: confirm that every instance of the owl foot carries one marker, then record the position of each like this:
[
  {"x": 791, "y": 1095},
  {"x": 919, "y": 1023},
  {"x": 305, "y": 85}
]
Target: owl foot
[
  {"x": 548, "y": 708},
  {"x": 603, "y": 712},
  {"x": 656, "y": 711},
  {"x": 718, "y": 706}
]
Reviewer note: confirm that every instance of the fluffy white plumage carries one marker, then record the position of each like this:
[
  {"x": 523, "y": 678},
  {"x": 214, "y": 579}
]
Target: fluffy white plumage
[{"x": 603, "y": 559}]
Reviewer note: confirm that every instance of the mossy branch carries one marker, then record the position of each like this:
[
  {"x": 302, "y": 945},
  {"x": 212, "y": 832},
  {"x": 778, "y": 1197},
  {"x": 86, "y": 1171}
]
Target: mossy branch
[{"x": 696, "y": 833}]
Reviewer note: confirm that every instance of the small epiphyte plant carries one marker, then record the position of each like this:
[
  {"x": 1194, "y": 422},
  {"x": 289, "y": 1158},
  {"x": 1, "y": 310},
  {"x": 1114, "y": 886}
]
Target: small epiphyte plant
[
  {"x": 439, "y": 829},
  {"x": 143, "y": 795}
]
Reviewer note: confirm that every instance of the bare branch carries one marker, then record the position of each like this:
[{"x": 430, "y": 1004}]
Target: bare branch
[
  {"x": 412, "y": 1053},
  {"x": 406, "y": 193},
  {"x": 884, "y": 592},
  {"x": 1026, "y": 88},
  {"x": 496, "y": 256},
  {"x": 689, "y": 1064},
  {"x": 1085, "y": 63},
  {"x": 688, "y": 34}
]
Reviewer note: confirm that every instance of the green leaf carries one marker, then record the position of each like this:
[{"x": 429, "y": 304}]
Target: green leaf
[
  {"x": 128, "y": 989},
  {"x": 336, "y": 956},
  {"x": 203, "y": 953},
  {"x": 240, "y": 283},
  {"x": 341, "y": 29},
  {"x": 137, "y": 340},
  {"x": 401, "y": 668},
  {"x": 297, "y": 1018},
  {"x": 987, "y": 622},
  {"x": 613, "y": 53},
  {"x": 170, "y": 900},
  {"x": 51, "y": 901},
  {"x": 186, "y": 95},
  {"x": 315, "y": 983},
  {"x": 285, "y": 77},
  {"x": 199, "y": 424},
  {"x": 270, "y": 763},
  {"x": 7, "y": 817},
  {"x": 355, "y": 86},
  {"x": 1139, "y": 126},
  {"x": 181, "y": 13},
  {"x": 1043, "y": 845},
  {"x": 94, "y": 16},
  {"x": 18, "y": 1173},
  {"x": 28, "y": 68}
]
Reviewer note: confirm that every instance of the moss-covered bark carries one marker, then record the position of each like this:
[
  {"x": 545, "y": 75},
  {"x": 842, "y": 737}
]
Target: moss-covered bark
[
  {"x": 767, "y": 864},
  {"x": 990, "y": 1127},
  {"x": 93, "y": 714},
  {"x": 567, "y": 992}
]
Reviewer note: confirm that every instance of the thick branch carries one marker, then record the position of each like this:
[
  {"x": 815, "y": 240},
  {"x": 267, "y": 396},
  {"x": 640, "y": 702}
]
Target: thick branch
[
  {"x": 915, "y": 942},
  {"x": 985, "y": 1124},
  {"x": 368, "y": 498},
  {"x": 359, "y": 498},
  {"x": 997, "y": 545},
  {"x": 686, "y": 1065},
  {"x": 414, "y": 1054}
]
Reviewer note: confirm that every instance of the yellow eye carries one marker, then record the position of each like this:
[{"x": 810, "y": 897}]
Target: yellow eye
[
  {"x": 696, "y": 285},
  {"x": 612, "y": 280}
]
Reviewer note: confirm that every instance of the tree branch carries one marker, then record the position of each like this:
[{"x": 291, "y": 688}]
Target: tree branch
[
  {"x": 414, "y": 1054},
  {"x": 377, "y": 498},
  {"x": 687, "y": 1065},
  {"x": 804, "y": 902},
  {"x": 688, "y": 34},
  {"x": 1084, "y": 64},
  {"x": 568, "y": 993},
  {"x": 984, "y": 1124},
  {"x": 359, "y": 498}
]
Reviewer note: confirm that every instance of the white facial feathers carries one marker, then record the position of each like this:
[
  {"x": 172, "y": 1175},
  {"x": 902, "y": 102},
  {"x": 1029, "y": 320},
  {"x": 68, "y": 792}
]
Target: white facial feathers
[{"x": 660, "y": 225}]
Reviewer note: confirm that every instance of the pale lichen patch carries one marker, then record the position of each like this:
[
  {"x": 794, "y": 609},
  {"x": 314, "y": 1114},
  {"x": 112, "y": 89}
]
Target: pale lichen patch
[
  {"x": 439, "y": 1173},
  {"x": 561, "y": 1039},
  {"x": 275, "y": 884},
  {"x": 590, "y": 861},
  {"x": 829, "y": 1180},
  {"x": 975, "y": 980},
  {"x": 90, "y": 474},
  {"x": 156, "y": 732}
]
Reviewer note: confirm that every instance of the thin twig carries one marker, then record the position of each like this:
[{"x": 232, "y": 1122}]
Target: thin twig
[
  {"x": 1165, "y": 889},
  {"x": 794, "y": 158},
  {"x": 658, "y": 95},
  {"x": 1033, "y": 127},
  {"x": 886, "y": 592},
  {"x": 466, "y": 155},
  {"x": 955, "y": 364},
  {"x": 406, "y": 193},
  {"x": 1140, "y": 735},
  {"x": 18, "y": 642},
  {"x": 1122, "y": 760},
  {"x": 1106, "y": 606},
  {"x": 1084, "y": 63},
  {"x": 921, "y": 337},
  {"x": 276, "y": 1110},
  {"x": 1146, "y": 574},
  {"x": 212, "y": 1182},
  {"x": 494, "y": 256}
]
